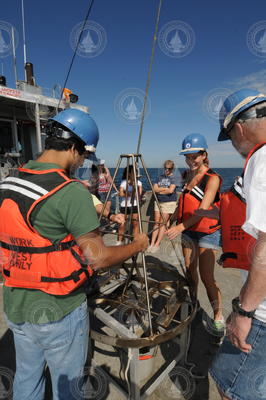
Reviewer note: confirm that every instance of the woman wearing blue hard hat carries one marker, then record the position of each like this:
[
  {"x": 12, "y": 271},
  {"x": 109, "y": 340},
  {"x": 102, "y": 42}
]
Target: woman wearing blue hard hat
[{"x": 200, "y": 236}]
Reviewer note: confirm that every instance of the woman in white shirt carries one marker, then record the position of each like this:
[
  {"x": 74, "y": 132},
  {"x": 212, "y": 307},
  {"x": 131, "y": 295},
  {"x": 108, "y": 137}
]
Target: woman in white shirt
[{"x": 128, "y": 203}]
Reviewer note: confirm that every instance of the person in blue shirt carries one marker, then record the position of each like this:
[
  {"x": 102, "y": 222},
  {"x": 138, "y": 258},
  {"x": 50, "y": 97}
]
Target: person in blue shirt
[{"x": 165, "y": 189}]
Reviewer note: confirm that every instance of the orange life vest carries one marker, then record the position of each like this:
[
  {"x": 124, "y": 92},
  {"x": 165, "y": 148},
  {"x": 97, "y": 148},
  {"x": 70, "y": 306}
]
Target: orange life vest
[
  {"x": 237, "y": 245},
  {"x": 28, "y": 259},
  {"x": 189, "y": 202}
]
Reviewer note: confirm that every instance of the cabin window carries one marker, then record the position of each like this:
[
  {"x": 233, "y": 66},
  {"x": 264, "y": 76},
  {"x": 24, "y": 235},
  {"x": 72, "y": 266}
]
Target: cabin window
[{"x": 6, "y": 137}]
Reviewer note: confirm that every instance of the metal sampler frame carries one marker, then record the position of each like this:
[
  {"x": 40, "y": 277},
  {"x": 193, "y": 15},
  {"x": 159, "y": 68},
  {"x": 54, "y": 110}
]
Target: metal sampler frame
[
  {"x": 135, "y": 391},
  {"x": 125, "y": 337}
]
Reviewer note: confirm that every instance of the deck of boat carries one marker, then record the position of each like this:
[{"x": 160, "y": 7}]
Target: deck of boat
[{"x": 203, "y": 344}]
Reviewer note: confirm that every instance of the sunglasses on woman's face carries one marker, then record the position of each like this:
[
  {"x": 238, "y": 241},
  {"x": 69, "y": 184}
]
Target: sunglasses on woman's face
[{"x": 169, "y": 169}]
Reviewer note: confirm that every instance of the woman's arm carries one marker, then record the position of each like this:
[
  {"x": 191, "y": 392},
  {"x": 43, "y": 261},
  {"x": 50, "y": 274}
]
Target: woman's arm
[
  {"x": 161, "y": 190},
  {"x": 169, "y": 190},
  {"x": 110, "y": 179},
  {"x": 122, "y": 192},
  {"x": 156, "y": 188}
]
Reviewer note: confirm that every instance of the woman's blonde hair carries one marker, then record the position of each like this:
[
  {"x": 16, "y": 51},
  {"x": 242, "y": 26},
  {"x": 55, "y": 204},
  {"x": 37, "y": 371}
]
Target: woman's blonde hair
[{"x": 169, "y": 162}]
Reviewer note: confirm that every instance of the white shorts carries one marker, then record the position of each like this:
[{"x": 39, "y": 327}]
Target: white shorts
[{"x": 167, "y": 207}]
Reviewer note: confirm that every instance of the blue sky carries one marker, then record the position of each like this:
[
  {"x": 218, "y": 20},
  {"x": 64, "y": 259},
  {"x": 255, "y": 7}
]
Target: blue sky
[{"x": 183, "y": 90}]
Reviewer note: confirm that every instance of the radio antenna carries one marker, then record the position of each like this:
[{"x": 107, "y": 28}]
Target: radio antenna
[
  {"x": 24, "y": 38},
  {"x": 14, "y": 56}
]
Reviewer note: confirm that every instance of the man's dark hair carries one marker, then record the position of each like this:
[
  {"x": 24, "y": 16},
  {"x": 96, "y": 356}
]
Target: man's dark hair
[{"x": 60, "y": 144}]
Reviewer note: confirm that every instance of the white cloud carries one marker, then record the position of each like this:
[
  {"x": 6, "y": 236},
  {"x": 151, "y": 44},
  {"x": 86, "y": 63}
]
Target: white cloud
[{"x": 255, "y": 80}]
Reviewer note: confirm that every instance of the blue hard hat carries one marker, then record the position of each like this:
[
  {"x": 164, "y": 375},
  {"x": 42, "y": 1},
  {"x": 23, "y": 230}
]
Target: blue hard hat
[
  {"x": 234, "y": 105},
  {"x": 193, "y": 143},
  {"x": 81, "y": 125}
]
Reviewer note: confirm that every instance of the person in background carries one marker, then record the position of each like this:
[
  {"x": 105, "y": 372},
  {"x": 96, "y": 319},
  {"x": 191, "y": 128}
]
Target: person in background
[
  {"x": 112, "y": 217},
  {"x": 44, "y": 295},
  {"x": 165, "y": 189},
  {"x": 88, "y": 173},
  {"x": 93, "y": 182},
  {"x": 104, "y": 184},
  {"x": 92, "y": 185},
  {"x": 128, "y": 203},
  {"x": 200, "y": 236}
]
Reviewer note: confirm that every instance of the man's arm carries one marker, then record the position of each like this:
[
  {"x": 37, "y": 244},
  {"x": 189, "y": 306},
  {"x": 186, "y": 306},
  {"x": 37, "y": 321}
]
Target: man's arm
[
  {"x": 100, "y": 256},
  {"x": 252, "y": 294},
  {"x": 254, "y": 290}
]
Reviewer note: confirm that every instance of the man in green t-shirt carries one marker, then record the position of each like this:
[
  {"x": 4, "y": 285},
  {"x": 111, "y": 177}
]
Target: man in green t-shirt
[{"x": 49, "y": 233}]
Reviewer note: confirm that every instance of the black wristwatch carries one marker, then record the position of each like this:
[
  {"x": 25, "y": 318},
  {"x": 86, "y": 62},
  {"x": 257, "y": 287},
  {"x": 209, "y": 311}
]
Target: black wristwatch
[{"x": 237, "y": 309}]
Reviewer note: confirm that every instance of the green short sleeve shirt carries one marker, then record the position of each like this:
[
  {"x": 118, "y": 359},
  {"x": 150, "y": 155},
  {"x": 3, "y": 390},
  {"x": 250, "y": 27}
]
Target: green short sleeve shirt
[{"x": 70, "y": 210}]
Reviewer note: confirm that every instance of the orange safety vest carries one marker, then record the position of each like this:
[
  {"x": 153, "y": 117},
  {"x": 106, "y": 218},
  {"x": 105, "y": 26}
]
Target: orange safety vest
[
  {"x": 189, "y": 202},
  {"x": 237, "y": 245},
  {"x": 66, "y": 93},
  {"x": 29, "y": 260}
]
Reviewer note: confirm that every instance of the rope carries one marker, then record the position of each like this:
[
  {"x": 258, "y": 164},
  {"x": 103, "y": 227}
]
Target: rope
[
  {"x": 149, "y": 76},
  {"x": 75, "y": 52}
]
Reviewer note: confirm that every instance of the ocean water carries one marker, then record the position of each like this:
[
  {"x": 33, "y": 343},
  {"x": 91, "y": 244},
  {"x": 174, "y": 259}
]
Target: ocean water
[{"x": 227, "y": 174}]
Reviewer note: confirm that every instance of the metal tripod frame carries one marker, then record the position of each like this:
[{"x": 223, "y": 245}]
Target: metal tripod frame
[{"x": 133, "y": 343}]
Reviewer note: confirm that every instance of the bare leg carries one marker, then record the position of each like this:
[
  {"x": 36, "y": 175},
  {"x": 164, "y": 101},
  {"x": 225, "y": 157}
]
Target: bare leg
[
  {"x": 161, "y": 229},
  {"x": 135, "y": 224},
  {"x": 206, "y": 268},
  {"x": 121, "y": 231},
  {"x": 155, "y": 227},
  {"x": 191, "y": 263}
]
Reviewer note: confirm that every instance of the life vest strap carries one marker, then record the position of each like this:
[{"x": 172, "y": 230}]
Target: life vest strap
[
  {"x": 38, "y": 250},
  {"x": 240, "y": 258},
  {"x": 84, "y": 266},
  {"x": 73, "y": 276},
  {"x": 78, "y": 258},
  {"x": 22, "y": 275},
  {"x": 218, "y": 225},
  {"x": 224, "y": 257},
  {"x": 36, "y": 276}
]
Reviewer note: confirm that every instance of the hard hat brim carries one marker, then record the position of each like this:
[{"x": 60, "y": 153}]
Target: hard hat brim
[
  {"x": 223, "y": 135},
  {"x": 92, "y": 157},
  {"x": 191, "y": 151}
]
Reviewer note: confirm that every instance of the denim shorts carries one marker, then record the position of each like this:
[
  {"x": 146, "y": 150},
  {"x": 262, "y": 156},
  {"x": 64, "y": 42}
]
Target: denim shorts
[
  {"x": 239, "y": 375},
  {"x": 103, "y": 196},
  {"x": 205, "y": 240}
]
